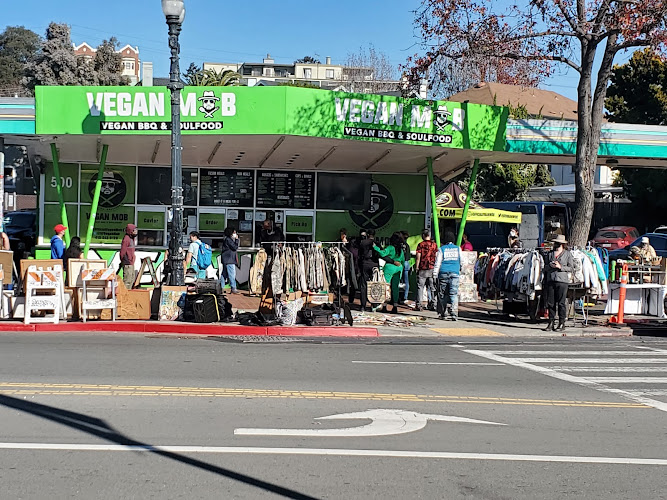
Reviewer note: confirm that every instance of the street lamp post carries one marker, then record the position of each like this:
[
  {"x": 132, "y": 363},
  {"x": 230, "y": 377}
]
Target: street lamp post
[{"x": 174, "y": 11}]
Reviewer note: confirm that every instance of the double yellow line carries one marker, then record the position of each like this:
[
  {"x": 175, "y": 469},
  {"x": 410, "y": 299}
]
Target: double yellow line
[{"x": 47, "y": 389}]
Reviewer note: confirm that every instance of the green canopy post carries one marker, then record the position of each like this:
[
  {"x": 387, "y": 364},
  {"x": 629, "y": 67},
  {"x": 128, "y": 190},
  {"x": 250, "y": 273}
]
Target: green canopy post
[
  {"x": 96, "y": 199},
  {"x": 471, "y": 190},
  {"x": 59, "y": 190},
  {"x": 434, "y": 201}
]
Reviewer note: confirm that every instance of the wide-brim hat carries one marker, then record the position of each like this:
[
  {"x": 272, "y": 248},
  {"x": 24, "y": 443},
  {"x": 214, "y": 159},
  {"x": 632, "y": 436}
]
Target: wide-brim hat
[
  {"x": 559, "y": 239},
  {"x": 209, "y": 94}
]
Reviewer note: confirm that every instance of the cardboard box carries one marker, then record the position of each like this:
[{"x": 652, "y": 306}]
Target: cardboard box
[
  {"x": 133, "y": 304},
  {"x": 320, "y": 298}
]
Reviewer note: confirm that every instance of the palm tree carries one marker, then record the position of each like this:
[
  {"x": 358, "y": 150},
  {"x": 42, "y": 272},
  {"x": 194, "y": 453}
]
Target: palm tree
[{"x": 225, "y": 78}]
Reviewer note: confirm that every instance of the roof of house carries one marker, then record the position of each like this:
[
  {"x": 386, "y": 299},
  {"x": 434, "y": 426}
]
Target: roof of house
[{"x": 538, "y": 102}]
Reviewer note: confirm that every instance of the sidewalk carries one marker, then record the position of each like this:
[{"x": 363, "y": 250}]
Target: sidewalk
[{"x": 480, "y": 319}]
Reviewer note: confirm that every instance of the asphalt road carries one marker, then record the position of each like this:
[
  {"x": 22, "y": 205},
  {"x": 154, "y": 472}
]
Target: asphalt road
[{"x": 121, "y": 416}]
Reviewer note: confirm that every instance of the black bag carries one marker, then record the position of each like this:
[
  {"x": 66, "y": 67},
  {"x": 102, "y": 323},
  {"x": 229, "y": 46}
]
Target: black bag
[
  {"x": 208, "y": 286},
  {"x": 318, "y": 316},
  {"x": 224, "y": 308},
  {"x": 205, "y": 309}
]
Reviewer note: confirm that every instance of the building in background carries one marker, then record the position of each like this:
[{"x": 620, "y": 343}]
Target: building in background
[
  {"x": 327, "y": 76},
  {"x": 130, "y": 59}
]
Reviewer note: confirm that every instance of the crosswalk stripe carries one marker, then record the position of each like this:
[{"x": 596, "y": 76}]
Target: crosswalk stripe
[
  {"x": 650, "y": 392},
  {"x": 619, "y": 369},
  {"x": 589, "y": 360},
  {"x": 587, "y": 353},
  {"x": 582, "y": 381},
  {"x": 628, "y": 380}
]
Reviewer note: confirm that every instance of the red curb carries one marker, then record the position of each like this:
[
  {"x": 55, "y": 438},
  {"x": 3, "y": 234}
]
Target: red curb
[
  {"x": 321, "y": 331},
  {"x": 190, "y": 329}
]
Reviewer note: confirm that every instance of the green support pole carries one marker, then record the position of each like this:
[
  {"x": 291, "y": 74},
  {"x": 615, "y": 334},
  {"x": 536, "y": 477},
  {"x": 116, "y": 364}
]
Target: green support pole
[
  {"x": 59, "y": 190},
  {"x": 434, "y": 202},
  {"x": 471, "y": 190},
  {"x": 96, "y": 199}
]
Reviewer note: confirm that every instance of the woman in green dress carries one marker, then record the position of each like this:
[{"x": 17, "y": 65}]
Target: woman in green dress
[{"x": 393, "y": 268}]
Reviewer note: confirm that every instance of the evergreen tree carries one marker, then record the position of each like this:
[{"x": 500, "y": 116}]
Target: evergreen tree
[{"x": 18, "y": 45}]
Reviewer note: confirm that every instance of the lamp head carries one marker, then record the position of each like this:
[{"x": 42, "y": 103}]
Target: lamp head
[{"x": 174, "y": 8}]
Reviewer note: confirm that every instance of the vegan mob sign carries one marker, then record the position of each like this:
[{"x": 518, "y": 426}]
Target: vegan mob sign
[{"x": 270, "y": 111}]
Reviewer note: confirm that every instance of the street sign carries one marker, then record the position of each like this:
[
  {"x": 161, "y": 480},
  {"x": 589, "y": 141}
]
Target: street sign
[{"x": 383, "y": 423}]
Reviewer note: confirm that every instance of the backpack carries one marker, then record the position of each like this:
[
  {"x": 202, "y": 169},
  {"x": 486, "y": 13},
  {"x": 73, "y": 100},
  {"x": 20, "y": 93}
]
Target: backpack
[{"x": 204, "y": 255}]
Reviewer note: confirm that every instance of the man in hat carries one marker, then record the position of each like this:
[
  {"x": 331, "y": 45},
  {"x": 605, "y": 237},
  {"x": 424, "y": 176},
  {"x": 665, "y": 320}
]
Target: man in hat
[
  {"x": 559, "y": 264},
  {"x": 646, "y": 251},
  {"x": 209, "y": 103},
  {"x": 57, "y": 243}
]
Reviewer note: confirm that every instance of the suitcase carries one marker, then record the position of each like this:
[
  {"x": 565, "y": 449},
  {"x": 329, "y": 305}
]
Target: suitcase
[
  {"x": 205, "y": 308},
  {"x": 208, "y": 286},
  {"x": 318, "y": 316}
]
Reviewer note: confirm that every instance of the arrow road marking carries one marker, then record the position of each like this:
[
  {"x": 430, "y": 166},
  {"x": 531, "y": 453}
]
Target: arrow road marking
[{"x": 383, "y": 423}]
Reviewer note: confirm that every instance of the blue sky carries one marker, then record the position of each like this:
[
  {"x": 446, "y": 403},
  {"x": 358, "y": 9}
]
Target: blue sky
[{"x": 225, "y": 31}]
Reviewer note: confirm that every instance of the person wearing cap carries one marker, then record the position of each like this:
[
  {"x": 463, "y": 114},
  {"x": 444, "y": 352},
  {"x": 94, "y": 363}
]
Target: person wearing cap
[
  {"x": 57, "y": 243},
  {"x": 646, "y": 251},
  {"x": 127, "y": 255},
  {"x": 559, "y": 264}
]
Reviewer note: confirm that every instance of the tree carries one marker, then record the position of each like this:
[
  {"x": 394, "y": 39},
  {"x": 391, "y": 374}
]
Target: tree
[
  {"x": 637, "y": 94},
  {"x": 108, "y": 64},
  {"x": 571, "y": 32},
  {"x": 56, "y": 63},
  {"x": 507, "y": 181},
  {"x": 369, "y": 70},
  {"x": 307, "y": 60},
  {"x": 223, "y": 78},
  {"x": 194, "y": 75},
  {"x": 18, "y": 45}
]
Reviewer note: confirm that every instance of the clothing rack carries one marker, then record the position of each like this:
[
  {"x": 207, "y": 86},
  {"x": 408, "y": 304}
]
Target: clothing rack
[{"x": 339, "y": 295}]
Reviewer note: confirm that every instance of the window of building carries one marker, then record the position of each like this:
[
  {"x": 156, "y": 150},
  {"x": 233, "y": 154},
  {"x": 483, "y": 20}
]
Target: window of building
[
  {"x": 307, "y": 72},
  {"x": 330, "y": 74}
]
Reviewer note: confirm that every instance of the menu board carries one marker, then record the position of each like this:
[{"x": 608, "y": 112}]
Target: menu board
[
  {"x": 227, "y": 188},
  {"x": 280, "y": 189}
]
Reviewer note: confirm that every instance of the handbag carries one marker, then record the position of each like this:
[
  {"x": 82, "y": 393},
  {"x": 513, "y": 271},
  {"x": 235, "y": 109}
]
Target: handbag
[{"x": 378, "y": 290}]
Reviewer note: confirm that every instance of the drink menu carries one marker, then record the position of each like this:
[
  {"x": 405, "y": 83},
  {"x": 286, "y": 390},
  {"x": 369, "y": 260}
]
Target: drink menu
[
  {"x": 230, "y": 188},
  {"x": 280, "y": 189}
]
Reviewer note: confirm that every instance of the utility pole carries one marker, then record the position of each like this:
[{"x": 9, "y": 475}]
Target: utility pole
[{"x": 174, "y": 11}]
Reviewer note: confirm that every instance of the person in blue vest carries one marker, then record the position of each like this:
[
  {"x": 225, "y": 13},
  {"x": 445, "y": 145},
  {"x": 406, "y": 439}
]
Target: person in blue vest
[
  {"x": 446, "y": 271},
  {"x": 57, "y": 243}
]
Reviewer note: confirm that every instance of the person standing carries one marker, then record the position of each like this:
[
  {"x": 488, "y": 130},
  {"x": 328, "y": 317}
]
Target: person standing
[
  {"x": 447, "y": 270},
  {"x": 393, "y": 268},
  {"x": 73, "y": 251},
  {"x": 559, "y": 264},
  {"x": 57, "y": 243},
  {"x": 229, "y": 257},
  {"x": 368, "y": 262},
  {"x": 270, "y": 234},
  {"x": 407, "y": 255},
  {"x": 466, "y": 246},
  {"x": 192, "y": 258},
  {"x": 426, "y": 251},
  {"x": 127, "y": 255},
  {"x": 646, "y": 251}
]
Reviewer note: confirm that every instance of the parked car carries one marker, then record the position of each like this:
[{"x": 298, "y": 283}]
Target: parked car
[
  {"x": 21, "y": 228},
  {"x": 657, "y": 240},
  {"x": 661, "y": 229},
  {"x": 613, "y": 237}
]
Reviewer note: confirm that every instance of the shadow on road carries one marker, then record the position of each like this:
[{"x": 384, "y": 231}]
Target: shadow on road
[{"x": 100, "y": 428}]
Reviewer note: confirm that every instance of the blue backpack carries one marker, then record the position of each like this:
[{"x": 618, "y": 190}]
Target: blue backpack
[{"x": 204, "y": 255}]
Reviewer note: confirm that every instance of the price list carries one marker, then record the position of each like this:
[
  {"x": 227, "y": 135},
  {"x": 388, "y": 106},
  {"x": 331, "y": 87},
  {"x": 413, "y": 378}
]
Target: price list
[
  {"x": 276, "y": 189},
  {"x": 230, "y": 188}
]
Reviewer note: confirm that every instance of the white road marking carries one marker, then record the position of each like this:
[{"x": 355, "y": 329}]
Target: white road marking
[
  {"x": 651, "y": 392},
  {"x": 637, "y": 361},
  {"x": 579, "y": 353},
  {"x": 658, "y": 405},
  {"x": 629, "y": 380},
  {"x": 424, "y": 363},
  {"x": 335, "y": 452},
  {"x": 617, "y": 369},
  {"x": 383, "y": 423}
]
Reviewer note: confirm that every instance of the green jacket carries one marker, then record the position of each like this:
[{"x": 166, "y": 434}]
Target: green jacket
[{"x": 391, "y": 256}]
